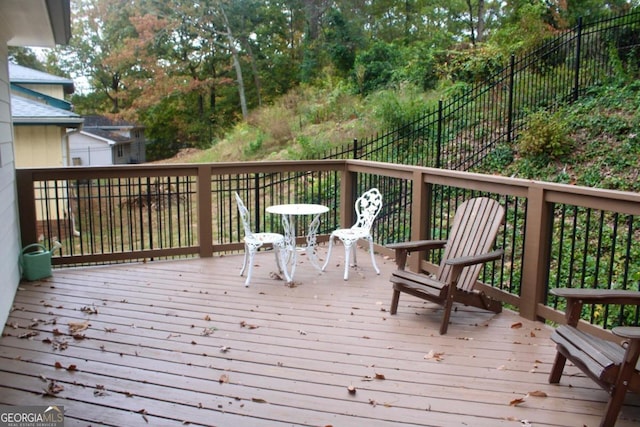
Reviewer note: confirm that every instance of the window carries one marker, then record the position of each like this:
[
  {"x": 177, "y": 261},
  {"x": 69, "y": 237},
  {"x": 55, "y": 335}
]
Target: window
[{"x": 119, "y": 151}]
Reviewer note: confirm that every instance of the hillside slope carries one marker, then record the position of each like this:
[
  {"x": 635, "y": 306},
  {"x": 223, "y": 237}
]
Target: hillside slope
[
  {"x": 600, "y": 135},
  {"x": 601, "y": 138}
]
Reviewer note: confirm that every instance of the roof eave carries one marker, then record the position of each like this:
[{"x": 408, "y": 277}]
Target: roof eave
[
  {"x": 60, "y": 18},
  {"x": 67, "y": 122}
]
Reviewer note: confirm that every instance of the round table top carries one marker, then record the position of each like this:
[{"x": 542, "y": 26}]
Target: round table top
[{"x": 297, "y": 209}]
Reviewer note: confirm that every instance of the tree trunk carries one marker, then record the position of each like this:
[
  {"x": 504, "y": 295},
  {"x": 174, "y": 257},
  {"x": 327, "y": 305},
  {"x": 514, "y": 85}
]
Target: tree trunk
[
  {"x": 236, "y": 64},
  {"x": 254, "y": 70},
  {"x": 480, "y": 26}
]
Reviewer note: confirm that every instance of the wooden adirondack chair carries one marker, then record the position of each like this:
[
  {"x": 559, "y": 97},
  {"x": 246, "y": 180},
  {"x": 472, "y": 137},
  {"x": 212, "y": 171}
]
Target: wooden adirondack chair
[
  {"x": 471, "y": 238},
  {"x": 611, "y": 365}
]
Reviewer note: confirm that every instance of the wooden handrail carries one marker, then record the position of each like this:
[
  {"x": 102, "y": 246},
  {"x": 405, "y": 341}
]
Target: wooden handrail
[{"x": 541, "y": 198}]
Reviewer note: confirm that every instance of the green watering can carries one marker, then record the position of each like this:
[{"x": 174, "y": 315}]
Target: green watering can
[{"x": 35, "y": 261}]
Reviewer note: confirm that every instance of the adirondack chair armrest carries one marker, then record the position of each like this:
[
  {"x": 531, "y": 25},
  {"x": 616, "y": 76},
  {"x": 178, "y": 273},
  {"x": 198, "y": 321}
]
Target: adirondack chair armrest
[
  {"x": 599, "y": 296},
  {"x": 418, "y": 245},
  {"x": 458, "y": 264},
  {"x": 576, "y": 297},
  {"x": 629, "y": 332},
  {"x": 404, "y": 248},
  {"x": 475, "y": 259}
]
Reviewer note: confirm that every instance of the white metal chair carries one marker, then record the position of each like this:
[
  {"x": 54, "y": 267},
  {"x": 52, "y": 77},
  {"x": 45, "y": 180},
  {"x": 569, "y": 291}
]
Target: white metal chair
[
  {"x": 367, "y": 207},
  {"x": 254, "y": 241}
]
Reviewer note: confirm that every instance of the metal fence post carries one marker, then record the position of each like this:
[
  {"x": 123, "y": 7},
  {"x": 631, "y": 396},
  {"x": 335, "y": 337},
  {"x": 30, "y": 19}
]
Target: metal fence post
[
  {"x": 512, "y": 65},
  {"x": 439, "y": 136},
  {"x": 576, "y": 84}
]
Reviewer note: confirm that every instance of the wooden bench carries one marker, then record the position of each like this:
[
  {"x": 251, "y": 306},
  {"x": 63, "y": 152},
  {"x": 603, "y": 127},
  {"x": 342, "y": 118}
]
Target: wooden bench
[{"x": 611, "y": 365}]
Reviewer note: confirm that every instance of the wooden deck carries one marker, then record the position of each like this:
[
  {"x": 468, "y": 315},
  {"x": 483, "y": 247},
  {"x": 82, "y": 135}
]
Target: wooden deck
[{"x": 185, "y": 343}]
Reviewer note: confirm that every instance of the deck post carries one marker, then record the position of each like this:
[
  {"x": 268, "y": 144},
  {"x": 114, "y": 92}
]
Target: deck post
[
  {"x": 535, "y": 264},
  {"x": 347, "y": 198},
  {"x": 421, "y": 215},
  {"x": 205, "y": 226},
  {"x": 26, "y": 207}
]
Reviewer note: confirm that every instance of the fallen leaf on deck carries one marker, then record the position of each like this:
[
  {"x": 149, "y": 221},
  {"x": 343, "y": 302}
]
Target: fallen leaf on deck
[
  {"x": 372, "y": 402},
  {"x": 224, "y": 379},
  {"x": 75, "y": 327},
  {"x": 53, "y": 389},
  {"x": 351, "y": 389},
  {"x": 109, "y": 329},
  {"x": 516, "y": 325},
  {"x": 538, "y": 393},
  {"x": 516, "y": 402},
  {"x": 60, "y": 345},
  {"x": 258, "y": 400},
  {"x": 208, "y": 331},
  {"x": 29, "y": 334},
  {"x": 437, "y": 356},
  {"x": 207, "y": 318},
  {"x": 89, "y": 310},
  {"x": 532, "y": 334},
  {"x": 56, "y": 332},
  {"x": 247, "y": 325},
  {"x": 380, "y": 377},
  {"x": 224, "y": 349}
]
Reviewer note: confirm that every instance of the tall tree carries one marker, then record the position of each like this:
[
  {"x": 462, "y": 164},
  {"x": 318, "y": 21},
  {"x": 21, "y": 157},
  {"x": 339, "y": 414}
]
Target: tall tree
[{"x": 99, "y": 29}]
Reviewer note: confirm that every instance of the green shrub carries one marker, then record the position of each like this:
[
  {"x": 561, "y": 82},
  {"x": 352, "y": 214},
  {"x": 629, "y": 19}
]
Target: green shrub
[{"x": 546, "y": 135}]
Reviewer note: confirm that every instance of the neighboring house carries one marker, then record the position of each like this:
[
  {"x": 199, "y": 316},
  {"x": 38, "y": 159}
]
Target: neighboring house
[
  {"x": 42, "y": 119},
  {"x": 103, "y": 141},
  {"x": 24, "y": 23}
]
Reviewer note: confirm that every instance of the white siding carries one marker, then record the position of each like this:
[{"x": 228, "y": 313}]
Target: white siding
[
  {"x": 89, "y": 150},
  {"x": 9, "y": 225}
]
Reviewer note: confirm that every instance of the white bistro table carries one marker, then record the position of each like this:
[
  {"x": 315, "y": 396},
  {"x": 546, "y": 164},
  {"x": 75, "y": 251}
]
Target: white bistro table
[{"x": 289, "y": 212}]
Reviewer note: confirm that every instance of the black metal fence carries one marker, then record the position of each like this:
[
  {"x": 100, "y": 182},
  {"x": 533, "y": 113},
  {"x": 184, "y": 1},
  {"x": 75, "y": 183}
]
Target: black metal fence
[{"x": 463, "y": 130}]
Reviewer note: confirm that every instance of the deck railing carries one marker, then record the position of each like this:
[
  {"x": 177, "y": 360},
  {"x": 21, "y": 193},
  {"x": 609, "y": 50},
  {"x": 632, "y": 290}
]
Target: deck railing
[{"x": 553, "y": 234}]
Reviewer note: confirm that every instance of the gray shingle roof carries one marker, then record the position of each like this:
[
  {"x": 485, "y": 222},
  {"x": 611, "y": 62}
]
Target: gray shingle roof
[
  {"x": 27, "y": 111},
  {"x": 20, "y": 74},
  {"x": 24, "y": 75},
  {"x": 113, "y": 136}
]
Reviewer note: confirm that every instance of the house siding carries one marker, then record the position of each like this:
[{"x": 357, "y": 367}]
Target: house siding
[
  {"x": 88, "y": 151},
  {"x": 54, "y": 91},
  {"x": 9, "y": 223},
  {"x": 34, "y": 146}
]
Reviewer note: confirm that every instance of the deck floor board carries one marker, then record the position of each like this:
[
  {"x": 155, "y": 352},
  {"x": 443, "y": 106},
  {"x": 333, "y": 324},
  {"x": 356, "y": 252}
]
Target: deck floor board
[{"x": 184, "y": 342}]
